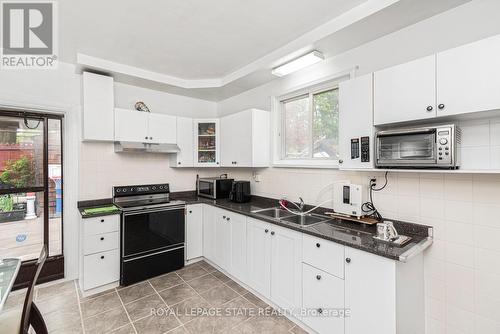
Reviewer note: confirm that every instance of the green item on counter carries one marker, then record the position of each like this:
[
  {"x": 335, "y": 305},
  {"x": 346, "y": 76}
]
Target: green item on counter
[{"x": 103, "y": 209}]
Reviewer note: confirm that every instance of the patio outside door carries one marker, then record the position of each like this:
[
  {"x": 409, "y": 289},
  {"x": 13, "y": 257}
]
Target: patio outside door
[{"x": 31, "y": 191}]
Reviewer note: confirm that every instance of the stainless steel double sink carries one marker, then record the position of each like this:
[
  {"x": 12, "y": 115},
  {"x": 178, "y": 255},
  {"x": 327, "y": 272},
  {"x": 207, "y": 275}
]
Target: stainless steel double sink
[{"x": 280, "y": 214}]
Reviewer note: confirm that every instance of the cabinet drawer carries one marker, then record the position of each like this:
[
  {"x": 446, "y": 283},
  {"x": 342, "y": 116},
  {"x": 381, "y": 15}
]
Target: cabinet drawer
[
  {"x": 101, "y": 268},
  {"x": 324, "y": 255},
  {"x": 103, "y": 224},
  {"x": 101, "y": 242},
  {"x": 323, "y": 298}
]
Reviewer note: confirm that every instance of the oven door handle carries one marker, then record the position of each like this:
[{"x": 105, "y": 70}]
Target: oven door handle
[
  {"x": 391, "y": 133},
  {"x": 143, "y": 211}
]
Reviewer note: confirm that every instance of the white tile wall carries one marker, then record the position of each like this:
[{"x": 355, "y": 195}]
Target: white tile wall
[
  {"x": 100, "y": 169},
  {"x": 480, "y": 147},
  {"x": 462, "y": 268}
]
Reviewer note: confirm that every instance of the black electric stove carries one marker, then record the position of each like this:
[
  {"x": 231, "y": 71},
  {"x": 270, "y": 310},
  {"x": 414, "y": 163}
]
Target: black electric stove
[{"x": 152, "y": 231}]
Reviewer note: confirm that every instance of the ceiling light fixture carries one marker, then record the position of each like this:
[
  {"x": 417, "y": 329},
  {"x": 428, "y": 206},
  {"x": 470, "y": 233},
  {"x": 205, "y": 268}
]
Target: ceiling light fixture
[{"x": 308, "y": 59}]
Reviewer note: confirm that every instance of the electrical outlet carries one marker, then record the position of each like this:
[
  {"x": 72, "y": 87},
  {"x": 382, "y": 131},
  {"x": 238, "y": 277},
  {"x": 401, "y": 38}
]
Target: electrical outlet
[{"x": 256, "y": 177}]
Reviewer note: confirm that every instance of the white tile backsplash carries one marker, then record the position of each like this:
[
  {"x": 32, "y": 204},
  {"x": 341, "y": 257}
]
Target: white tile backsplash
[{"x": 462, "y": 267}]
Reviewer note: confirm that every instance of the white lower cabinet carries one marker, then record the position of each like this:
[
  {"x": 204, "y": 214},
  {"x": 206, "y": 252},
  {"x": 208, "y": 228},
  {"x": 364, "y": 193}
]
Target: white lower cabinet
[
  {"x": 194, "y": 231},
  {"x": 382, "y": 295},
  {"x": 323, "y": 300},
  {"x": 286, "y": 273},
  {"x": 101, "y": 269},
  {"x": 238, "y": 261},
  {"x": 369, "y": 303},
  {"x": 259, "y": 256},
  {"x": 332, "y": 288},
  {"x": 209, "y": 232},
  {"x": 100, "y": 251},
  {"x": 223, "y": 239},
  {"x": 274, "y": 263}
]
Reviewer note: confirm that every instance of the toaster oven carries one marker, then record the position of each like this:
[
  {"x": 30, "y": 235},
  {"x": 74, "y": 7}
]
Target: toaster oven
[{"x": 418, "y": 147}]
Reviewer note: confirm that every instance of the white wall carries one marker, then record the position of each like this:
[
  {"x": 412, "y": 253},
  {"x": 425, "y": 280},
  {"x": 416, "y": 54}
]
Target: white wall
[
  {"x": 462, "y": 268},
  {"x": 160, "y": 102}
]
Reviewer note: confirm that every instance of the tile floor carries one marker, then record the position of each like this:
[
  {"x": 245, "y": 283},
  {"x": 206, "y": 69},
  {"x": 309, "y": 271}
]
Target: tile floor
[{"x": 185, "y": 302}]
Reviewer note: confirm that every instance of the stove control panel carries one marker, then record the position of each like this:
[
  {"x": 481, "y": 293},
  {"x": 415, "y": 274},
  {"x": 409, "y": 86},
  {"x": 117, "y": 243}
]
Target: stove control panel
[{"x": 141, "y": 189}]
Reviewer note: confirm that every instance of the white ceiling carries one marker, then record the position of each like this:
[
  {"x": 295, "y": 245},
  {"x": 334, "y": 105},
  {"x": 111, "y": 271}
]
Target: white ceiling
[
  {"x": 219, "y": 48},
  {"x": 190, "y": 39}
]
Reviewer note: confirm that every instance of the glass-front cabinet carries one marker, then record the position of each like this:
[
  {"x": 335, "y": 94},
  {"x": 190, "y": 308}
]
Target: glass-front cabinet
[{"x": 206, "y": 142}]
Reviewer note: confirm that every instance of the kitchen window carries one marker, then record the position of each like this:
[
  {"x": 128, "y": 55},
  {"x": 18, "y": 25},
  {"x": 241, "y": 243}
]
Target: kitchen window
[{"x": 308, "y": 131}]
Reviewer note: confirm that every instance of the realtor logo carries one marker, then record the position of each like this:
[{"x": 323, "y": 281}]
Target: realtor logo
[{"x": 28, "y": 35}]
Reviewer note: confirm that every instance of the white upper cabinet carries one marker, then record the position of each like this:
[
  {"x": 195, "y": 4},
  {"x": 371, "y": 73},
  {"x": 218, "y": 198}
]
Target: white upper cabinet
[
  {"x": 468, "y": 78},
  {"x": 162, "y": 129},
  {"x": 98, "y": 107},
  {"x": 206, "y": 142},
  {"x": 405, "y": 92},
  {"x": 245, "y": 139},
  {"x": 137, "y": 126},
  {"x": 184, "y": 158},
  {"x": 356, "y": 123},
  {"x": 131, "y": 126}
]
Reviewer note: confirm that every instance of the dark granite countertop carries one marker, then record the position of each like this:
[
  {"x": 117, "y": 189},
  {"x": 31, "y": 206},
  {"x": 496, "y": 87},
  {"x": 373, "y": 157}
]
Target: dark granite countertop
[
  {"x": 349, "y": 233},
  {"x": 345, "y": 232}
]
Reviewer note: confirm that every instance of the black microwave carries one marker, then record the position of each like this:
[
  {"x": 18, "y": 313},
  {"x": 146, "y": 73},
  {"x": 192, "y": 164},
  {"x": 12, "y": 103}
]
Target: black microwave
[{"x": 214, "y": 187}]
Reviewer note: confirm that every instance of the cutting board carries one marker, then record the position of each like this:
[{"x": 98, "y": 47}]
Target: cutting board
[{"x": 362, "y": 220}]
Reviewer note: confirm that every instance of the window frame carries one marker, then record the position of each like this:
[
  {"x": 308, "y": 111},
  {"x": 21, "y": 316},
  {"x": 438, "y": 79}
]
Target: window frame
[{"x": 278, "y": 128}]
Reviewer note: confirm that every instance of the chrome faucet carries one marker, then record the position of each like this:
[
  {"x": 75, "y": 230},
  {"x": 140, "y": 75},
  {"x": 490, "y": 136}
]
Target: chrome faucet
[{"x": 301, "y": 204}]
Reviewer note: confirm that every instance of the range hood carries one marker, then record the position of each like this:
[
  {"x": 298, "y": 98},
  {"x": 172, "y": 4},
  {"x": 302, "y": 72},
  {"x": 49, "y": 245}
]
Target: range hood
[{"x": 133, "y": 147}]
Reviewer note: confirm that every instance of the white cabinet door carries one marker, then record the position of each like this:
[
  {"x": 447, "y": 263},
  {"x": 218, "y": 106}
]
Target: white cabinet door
[
  {"x": 405, "y": 92},
  {"x": 468, "y": 78},
  {"x": 162, "y": 129},
  {"x": 238, "y": 246},
  {"x": 286, "y": 267},
  {"x": 98, "y": 107},
  {"x": 194, "y": 231},
  {"x": 209, "y": 232},
  {"x": 366, "y": 312},
  {"x": 356, "y": 123},
  {"x": 236, "y": 139},
  {"x": 206, "y": 142},
  {"x": 184, "y": 158},
  {"x": 259, "y": 256},
  {"x": 101, "y": 269},
  {"x": 223, "y": 240},
  {"x": 323, "y": 293},
  {"x": 131, "y": 125}
]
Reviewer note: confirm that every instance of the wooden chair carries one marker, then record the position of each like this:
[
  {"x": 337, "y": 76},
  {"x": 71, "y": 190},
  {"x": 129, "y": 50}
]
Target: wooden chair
[{"x": 19, "y": 320}]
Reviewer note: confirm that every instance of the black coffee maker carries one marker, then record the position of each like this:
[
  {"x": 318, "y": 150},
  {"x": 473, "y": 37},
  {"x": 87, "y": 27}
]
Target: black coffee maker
[{"x": 240, "y": 192}]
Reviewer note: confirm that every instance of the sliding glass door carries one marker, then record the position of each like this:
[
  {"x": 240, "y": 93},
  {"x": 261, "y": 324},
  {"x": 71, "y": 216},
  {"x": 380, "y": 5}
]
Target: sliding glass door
[{"x": 31, "y": 185}]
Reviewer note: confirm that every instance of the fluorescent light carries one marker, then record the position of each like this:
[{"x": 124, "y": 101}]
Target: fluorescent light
[{"x": 298, "y": 63}]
